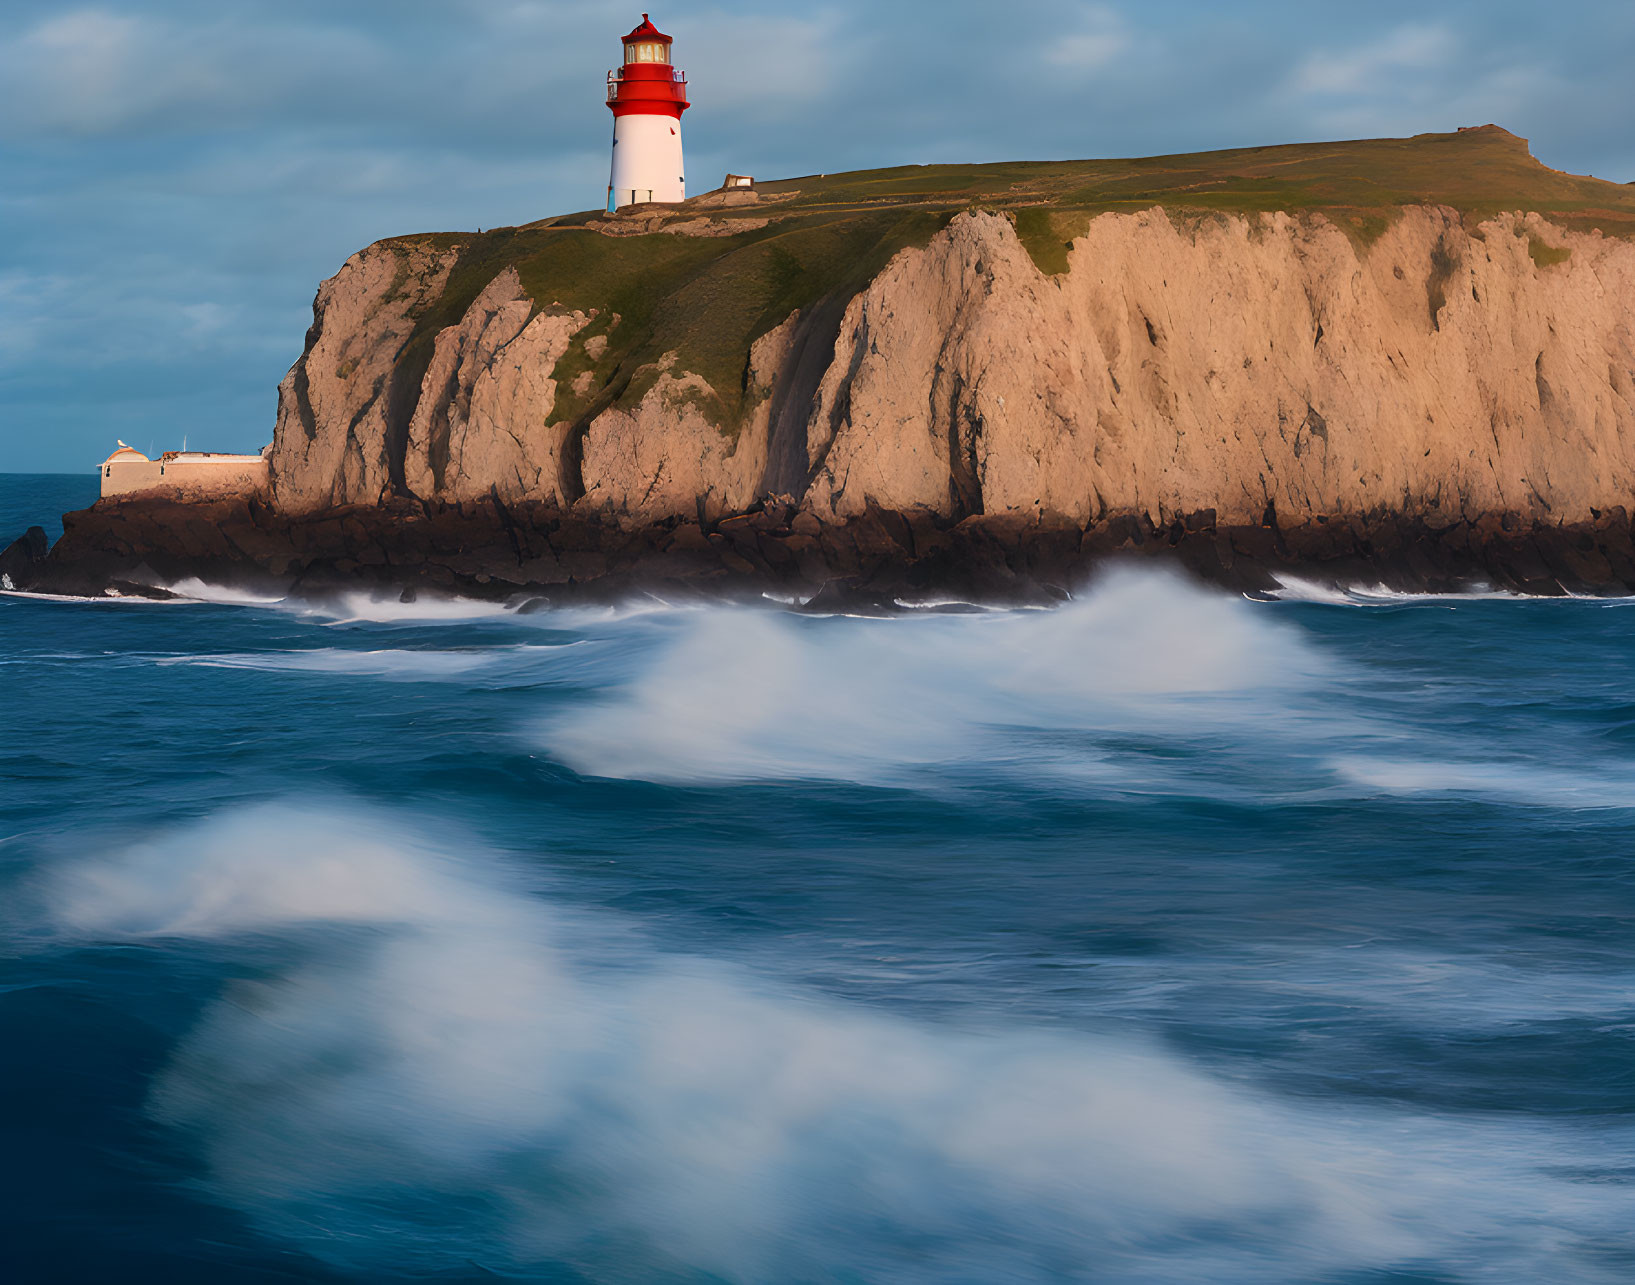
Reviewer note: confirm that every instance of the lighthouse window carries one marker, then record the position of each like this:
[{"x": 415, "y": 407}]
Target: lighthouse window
[{"x": 647, "y": 52}]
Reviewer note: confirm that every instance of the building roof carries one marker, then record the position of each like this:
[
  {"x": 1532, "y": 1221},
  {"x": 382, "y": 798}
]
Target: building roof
[
  {"x": 126, "y": 455},
  {"x": 647, "y": 31}
]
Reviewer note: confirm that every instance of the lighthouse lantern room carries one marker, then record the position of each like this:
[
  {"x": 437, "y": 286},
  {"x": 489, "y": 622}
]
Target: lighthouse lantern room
[{"x": 647, "y": 96}]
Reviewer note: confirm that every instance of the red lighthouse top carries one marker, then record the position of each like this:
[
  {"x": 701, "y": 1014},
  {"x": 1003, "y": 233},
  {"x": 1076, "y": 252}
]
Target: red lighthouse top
[
  {"x": 647, "y": 85},
  {"x": 647, "y": 31}
]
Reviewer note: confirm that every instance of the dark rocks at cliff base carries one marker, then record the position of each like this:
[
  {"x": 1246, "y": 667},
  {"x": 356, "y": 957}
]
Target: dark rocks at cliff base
[
  {"x": 848, "y": 598},
  {"x": 20, "y": 558},
  {"x": 875, "y": 563}
]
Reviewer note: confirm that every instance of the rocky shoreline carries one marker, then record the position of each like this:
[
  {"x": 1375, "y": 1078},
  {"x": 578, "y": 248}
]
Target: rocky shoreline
[{"x": 531, "y": 552}]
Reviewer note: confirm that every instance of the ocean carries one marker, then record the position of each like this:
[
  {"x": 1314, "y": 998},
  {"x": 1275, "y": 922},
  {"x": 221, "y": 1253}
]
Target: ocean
[{"x": 1162, "y": 937}]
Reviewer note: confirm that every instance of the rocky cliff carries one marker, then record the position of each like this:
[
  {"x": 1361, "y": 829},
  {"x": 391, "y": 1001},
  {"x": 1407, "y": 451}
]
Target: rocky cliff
[
  {"x": 1273, "y": 346},
  {"x": 1447, "y": 371},
  {"x": 1450, "y": 367}
]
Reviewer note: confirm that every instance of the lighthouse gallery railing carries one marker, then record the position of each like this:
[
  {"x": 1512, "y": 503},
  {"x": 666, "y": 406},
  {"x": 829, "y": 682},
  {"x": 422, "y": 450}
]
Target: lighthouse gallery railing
[{"x": 615, "y": 77}]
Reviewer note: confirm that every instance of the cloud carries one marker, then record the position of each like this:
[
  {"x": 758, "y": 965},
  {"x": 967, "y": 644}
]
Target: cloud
[
  {"x": 94, "y": 71},
  {"x": 1412, "y": 48},
  {"x": 765, "y": 62},
  {"x": 206, "y": 319},
  {"x": 1103, "y": 38},
  {"x": 1420, "y": 77}
]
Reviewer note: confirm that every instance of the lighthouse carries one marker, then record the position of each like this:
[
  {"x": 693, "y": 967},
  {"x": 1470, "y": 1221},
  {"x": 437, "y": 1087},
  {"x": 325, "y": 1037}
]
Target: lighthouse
[{"x": 647, "y": 96}]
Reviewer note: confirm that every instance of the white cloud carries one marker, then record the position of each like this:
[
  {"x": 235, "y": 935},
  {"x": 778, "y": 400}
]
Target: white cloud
[
  {"x": 1421, "y": 77},
  {"x": 89, "y": 47},
  {"x": 90, "y": 70},
  {"x": 206, "y": 319},
  {"x": 1102, "y": 39},
  {"x": 93, "y": 71},
  {"x": 1364, "y": 70},
  {"x": 743, "y": 61}
]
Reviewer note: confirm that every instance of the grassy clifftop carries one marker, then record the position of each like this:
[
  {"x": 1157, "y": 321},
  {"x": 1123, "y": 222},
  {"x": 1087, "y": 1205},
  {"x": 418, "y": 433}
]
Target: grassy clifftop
[
  {"x": 1479, "y": 171},
  {"x": 710, "y": 297}
]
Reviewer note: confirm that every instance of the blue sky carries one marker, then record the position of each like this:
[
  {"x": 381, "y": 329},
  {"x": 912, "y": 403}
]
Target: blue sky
[{"x": 177, "y": 176}]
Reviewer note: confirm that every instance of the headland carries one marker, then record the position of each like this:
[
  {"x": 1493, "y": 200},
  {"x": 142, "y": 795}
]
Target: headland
[{"x": 1406, "y": 361}]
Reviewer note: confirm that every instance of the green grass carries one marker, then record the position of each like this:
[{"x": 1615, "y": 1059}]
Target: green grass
[
  {"x": 1036, "y": 228},
  {"x": 1479, "y": 172},
  {"x": 705, "y": 298},
  {"x": 709, "y": 298},
  {"x": 1546, "y": 255}
]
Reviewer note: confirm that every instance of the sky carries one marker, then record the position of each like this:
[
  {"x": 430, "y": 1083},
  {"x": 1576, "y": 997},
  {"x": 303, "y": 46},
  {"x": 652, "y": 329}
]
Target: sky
[{"x": 176, "y": 177}]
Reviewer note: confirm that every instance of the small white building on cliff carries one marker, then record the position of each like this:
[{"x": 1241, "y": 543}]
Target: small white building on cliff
[{"x": 181, "y": 475}]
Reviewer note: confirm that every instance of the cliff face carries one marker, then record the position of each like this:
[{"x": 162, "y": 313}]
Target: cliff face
[
  {"x": 1450, "y": 370},
  {"x": 481, "y": 422},
  {"x": 1244, "y": 363},
  {"x": 337, "y": 404}
]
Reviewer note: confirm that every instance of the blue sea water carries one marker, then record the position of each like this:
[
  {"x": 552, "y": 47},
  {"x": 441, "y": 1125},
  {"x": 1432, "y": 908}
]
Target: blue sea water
[{"x": 1166, "y": 936}]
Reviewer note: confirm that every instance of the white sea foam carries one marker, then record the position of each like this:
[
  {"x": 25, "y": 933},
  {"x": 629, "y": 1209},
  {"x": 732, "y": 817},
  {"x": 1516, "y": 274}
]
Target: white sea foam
[
  {"x": 744, "y": 694},
  {"x": 357, "y": 608},
  {"x": 118, "y": 599},
  {"x": 197, "y": 590},
  {"x": 1521, "y": 783},
  {"x": 1297, "y": 589},
  {"x": 453, "y": 1075},
  {"x": 362, "y": 608},
  {"x": 384, "y": 663}
]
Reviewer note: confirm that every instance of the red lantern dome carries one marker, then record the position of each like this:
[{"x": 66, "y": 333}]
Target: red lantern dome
[
  {"x": 647, "y": 31},
  {"x": 647, "y": 84}
]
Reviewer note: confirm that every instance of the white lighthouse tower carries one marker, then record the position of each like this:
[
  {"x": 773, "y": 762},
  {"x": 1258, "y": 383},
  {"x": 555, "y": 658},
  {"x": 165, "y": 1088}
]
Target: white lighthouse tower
[{"x": 647, "y": 96}]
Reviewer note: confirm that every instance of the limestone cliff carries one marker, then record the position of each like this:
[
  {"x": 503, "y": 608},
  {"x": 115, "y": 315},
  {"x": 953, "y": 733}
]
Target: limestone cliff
[
  {"x": 1448, "y": 367},
  {"x": 1235, "y": 364}
]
